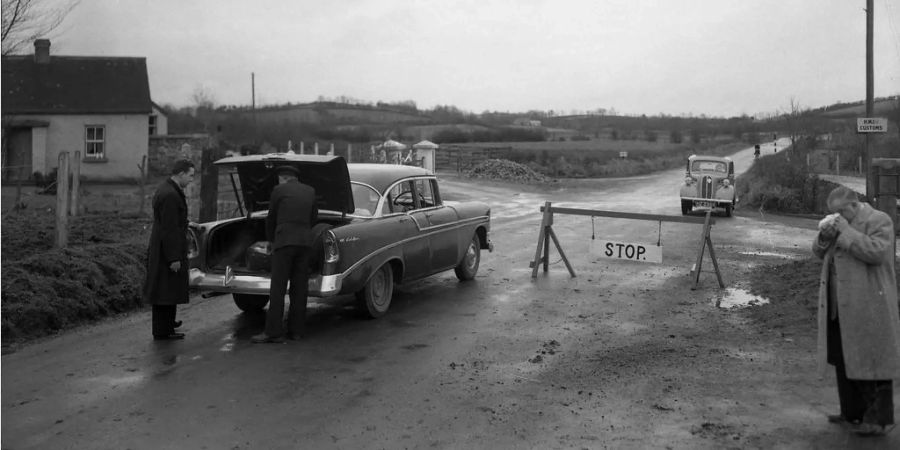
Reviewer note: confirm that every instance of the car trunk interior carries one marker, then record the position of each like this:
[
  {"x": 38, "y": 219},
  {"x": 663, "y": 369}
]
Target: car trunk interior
[{"x": 240, "y": 244}]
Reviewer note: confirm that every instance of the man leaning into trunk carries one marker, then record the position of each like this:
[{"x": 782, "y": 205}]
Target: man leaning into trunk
[
  {"x": 292, "y": 213},
  {"x": 858, "y": 318}
]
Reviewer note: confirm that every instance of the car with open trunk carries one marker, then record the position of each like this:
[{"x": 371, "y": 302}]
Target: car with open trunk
[{"x": 378, "y": 225}]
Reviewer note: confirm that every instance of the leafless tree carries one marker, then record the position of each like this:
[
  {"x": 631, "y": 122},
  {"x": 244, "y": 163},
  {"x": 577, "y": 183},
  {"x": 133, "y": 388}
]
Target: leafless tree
[
  {"x": 24, "y": 21},
  {"x": 203, "y": 98}
]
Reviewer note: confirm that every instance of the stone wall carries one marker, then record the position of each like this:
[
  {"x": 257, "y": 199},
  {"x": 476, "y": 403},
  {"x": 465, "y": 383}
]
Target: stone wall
[{"x": 165, "y": 150}]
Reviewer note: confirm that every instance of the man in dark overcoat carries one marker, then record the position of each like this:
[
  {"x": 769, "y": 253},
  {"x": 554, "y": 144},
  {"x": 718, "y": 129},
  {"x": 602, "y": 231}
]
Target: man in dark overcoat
[
  {"x": 292, "y": 213},
  {"x": 166, "y": 284},
  {"x": 859, "y": 322}
]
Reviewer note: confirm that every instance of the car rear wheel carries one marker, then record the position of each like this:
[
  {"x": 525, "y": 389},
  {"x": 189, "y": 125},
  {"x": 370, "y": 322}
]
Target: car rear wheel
[
  {"x": 250, "y": 302},
  {"x": 468, "y": 267},
  {"x": 375, "y": 297},
  {"x": 685, "y": 207}
]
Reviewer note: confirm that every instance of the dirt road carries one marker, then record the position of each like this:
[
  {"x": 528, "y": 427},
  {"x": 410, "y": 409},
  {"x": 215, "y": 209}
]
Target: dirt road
[{"x": 624, "y": 355}]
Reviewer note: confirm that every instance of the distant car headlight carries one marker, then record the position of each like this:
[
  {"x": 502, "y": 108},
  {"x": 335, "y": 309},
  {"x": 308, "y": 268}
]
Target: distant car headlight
[
  {"x": 332, "y": 253},
  {"x": 688, "y": 180},
  {"x": 726, "y": 183}
]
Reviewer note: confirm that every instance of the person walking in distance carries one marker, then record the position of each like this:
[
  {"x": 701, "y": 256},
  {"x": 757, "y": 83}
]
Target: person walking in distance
[
  {"x": 292, "y": 213},
  {"x": 166, "y": 284},
  {"x": 858, "y": 318}
]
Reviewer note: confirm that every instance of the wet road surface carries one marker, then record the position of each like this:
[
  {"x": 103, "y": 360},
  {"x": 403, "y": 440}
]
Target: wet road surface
[{"x": 623, "y": 355}]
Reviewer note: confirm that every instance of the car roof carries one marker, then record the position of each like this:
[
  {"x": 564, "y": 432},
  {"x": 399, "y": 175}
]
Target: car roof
[
  {"x": 710, "y": 158},
  {"x": 382, "y": 176}
]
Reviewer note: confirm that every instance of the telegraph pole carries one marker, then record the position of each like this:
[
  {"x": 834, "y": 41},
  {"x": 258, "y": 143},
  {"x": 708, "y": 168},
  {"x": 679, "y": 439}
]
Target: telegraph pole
[
  {"x": 870, "y": 93},
  {"x": 253, "y": 102}
]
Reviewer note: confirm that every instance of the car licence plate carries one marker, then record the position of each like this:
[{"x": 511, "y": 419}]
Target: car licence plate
[{"x": 704, "y": 205}]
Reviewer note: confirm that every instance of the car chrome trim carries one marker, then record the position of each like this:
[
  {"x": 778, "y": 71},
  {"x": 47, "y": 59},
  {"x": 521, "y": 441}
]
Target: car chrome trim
[
  {"x": 459, "y": 224},
  {"x": 319, "y": 285},
  {"x": 714, "y": 200}
]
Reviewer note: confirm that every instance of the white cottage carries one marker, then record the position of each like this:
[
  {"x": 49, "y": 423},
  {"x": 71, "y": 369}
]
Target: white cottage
[{"x": 97, "y": 105}]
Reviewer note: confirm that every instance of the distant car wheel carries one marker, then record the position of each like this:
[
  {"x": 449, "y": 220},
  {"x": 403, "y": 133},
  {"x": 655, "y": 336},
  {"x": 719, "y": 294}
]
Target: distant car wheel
[
  {"x": 250, "y": 302},
  {"x": 685, "y": 207},
  {"x": 728, "y": 210},
  {"x": 375, "y": 297},
  {"x": 468, "y": 267}
]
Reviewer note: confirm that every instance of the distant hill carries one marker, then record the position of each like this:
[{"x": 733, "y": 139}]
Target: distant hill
[{"x": 880, "y": 107}]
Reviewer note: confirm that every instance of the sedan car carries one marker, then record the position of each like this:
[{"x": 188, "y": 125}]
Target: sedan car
[
  {"x": 378, "y": 226},
  {"x": 708, "y": 184}
]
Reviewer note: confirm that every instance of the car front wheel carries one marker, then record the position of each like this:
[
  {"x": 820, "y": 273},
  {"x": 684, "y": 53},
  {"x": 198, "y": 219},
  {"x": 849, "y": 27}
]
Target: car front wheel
[
  {"x": 685, "y": 207},
  {"x": 250, "y": 302},
  {"x": 375, "y": 297},
  {"x": 468, "y": 267}
]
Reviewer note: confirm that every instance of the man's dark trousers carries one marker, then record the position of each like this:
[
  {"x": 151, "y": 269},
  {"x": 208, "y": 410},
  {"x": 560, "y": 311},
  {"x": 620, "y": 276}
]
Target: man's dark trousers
[
  {"x": 163, "y": 320},
  {"x": 289, "y": 263},
  {"x": 870, "y": 401}
]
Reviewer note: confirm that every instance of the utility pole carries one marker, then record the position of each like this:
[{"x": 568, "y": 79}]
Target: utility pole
[
  {"x": 870, "y": 93},
  {"x": 253, "y": 103}
]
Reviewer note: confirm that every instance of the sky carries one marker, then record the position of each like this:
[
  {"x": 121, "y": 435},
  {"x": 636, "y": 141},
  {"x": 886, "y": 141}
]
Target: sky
[{"x": 679, "y": 57}]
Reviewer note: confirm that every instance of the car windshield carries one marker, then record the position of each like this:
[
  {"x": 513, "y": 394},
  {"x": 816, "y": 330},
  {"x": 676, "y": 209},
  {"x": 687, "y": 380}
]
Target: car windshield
[
  {"x": 709, "y": 166},
  {"x": 364, "y": 198}
]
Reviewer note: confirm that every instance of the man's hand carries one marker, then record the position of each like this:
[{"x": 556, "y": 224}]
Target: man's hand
[
  {"x": 828, "y": 233},
  {"x": 841, "y": 224},
  {"x": 175, "y": 266}
]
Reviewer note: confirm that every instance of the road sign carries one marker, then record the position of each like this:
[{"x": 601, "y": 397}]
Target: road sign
[
  {"x": 628, "y": 251},
  {"x": 871, "y": 125}
]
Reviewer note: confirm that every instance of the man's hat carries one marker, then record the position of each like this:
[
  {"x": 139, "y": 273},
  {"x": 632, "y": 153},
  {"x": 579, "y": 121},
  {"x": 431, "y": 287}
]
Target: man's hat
[{"x": 287, "y": 170}]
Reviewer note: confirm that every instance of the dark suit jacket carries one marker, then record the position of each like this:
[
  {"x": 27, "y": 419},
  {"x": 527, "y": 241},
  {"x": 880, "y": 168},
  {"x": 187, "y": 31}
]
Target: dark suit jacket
[
  {"x": 168, "y": 243},
  {"x": 292, "y": 213}
]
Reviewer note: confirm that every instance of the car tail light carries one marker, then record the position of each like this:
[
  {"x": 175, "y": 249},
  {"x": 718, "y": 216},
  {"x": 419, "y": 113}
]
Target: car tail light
[
  {"x": 332, "y": 253},
  {"x": 192, "y": 245}
]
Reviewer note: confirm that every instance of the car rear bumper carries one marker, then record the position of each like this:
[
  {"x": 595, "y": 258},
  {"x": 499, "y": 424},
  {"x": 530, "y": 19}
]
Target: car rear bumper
[{"x": 319, "y": 285}]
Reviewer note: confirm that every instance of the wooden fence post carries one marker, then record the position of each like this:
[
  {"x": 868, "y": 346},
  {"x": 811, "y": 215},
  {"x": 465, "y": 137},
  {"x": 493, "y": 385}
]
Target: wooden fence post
[
  {"x": 62, "y": 201},
  {"x": 209, "y": 185},
  {"x": 142, "y": 183},
  {"x": 76, "y": 183},
  {"x": 349, "y": 153},
  {"x": 316, "y": 148}
]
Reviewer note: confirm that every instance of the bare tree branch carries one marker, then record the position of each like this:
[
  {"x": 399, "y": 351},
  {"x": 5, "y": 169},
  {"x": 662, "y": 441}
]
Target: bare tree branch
[{"x": 24, "y": 21}]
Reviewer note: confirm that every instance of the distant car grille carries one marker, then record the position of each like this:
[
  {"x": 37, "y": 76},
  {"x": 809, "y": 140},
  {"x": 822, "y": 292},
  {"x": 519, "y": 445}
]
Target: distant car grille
[{"x": 706, "y": 187}]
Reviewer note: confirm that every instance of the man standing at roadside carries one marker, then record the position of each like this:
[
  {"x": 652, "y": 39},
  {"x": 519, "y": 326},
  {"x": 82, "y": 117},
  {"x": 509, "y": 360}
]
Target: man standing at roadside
[
  {"x": 166, "y": 284},
  {"x": 859, "y": 322},
  {"x": 292, "y": 213}
]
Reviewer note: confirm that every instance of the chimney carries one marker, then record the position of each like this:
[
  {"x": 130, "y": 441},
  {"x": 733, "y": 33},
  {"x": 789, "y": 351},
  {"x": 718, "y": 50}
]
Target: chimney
[{"x": 42, "y": 51}]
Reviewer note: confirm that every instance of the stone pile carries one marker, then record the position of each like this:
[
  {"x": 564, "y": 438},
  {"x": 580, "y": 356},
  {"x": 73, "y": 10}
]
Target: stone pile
[{"x": 505, "y": 170}]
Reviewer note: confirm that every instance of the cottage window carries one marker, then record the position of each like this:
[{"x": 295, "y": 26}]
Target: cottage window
[
  {"x": 153, "y": 125},
  {"x": 94, "y": 142}
]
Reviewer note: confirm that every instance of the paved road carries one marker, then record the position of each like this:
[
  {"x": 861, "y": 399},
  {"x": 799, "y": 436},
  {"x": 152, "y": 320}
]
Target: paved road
[{"x": 502, "y": 362}]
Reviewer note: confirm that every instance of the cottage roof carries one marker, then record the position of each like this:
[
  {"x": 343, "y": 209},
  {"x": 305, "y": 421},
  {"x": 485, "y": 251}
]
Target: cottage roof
[{"x": 75, "y": 85}]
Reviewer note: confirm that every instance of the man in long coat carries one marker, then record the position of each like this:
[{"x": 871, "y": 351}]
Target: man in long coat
[
  {"x": 859, "y": 322},
  {"x": 166, "y": 284},
  {"x": 292, "y": 213}
]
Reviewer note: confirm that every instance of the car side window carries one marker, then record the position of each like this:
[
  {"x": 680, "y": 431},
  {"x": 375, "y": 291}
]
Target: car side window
[
  {"x": 400, "y": 198},
  {"x": 425, "y": 193}
]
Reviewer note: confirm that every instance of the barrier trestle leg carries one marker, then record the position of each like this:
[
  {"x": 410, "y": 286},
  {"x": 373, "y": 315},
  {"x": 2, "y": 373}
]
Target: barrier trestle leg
[
  {"x": 542, "y": 252},
  {"x": 706, "y": 242}
]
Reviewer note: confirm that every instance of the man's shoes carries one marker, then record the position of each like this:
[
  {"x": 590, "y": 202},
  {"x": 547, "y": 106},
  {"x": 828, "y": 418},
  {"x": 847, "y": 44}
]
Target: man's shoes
[
  {"x": 870, "y": 429},
  {"x": 176, "y": 324},
  {"x": 266, "y": 339},
  {"x": 839, "y": 419},
  {"x": 168, "y": 337}
]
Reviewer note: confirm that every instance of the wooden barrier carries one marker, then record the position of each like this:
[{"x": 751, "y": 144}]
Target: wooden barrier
[{"x": 542, "y": 252}]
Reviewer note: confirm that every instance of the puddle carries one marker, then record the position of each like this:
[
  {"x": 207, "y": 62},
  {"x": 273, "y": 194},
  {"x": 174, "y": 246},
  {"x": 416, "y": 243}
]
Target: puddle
[
  {"x": 739, "y": 298},
  {"x": 775, "y": 254}
]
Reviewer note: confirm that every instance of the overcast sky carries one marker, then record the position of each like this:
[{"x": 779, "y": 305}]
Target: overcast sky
[{"x": 714, "y": 57}]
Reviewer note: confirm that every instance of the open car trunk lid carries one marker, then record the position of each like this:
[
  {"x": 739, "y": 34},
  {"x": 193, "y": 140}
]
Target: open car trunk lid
[{"x": 328, "y": 175}]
